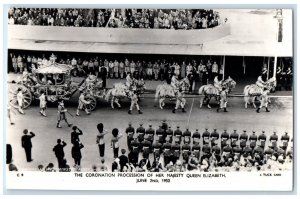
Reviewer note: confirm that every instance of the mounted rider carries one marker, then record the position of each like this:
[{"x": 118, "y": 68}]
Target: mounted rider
[
  {"x": 261, "y": 82},
  {"x": 175, "y": 82},
  {"x": 130, "y": 81}
]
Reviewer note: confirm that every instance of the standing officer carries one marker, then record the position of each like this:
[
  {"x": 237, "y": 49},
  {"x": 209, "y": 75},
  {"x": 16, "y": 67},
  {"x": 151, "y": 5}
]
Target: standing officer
[
  {"x": 169, "y": 135},
  {"x": 140, "y": 133},
  {"x": 134, "y": 154},
  {"x": 205, "y": 136},
  {"x": 130, "y": 132},
  {"x": 262, "y": 138},
  {"x": 160, "y": 133},
  {"x": 234, "y": 136},
  {"x": 146, "y": 148},
  {"x": 167, "y": 152},
  {"x": 175, "y": 152},
  {"x": 150, "y": 134},
  {"x": 186, "y": 149},
  {"x": 59, "y": 152},
  {"x": 187, "y": 136},
  {"x": 253, "y": 140},
  {"x": 196, "y": 137},
  {"x": 224, "y": 139},
  {"x": 273, "y": 140},
  {"x": 178, "y": 135},
  {"x": 157, "y": 146},
  {"x": 26, "y": 144},
  {"x": 196, "y": 149},
  {"x": 243, "y": 140},
  {"x": 214, "y": 136}
]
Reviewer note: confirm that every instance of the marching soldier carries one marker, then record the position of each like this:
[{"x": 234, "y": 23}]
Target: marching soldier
[
  {"x": 157, "y": 146},
  {"x": 20, "y": 100},
  {"x": 196, "y": 137},
  {"x": 243, "y": 140},
  {"x": 234, "y": 138},
  {"x": 264, "y": 100},
  {"x": 175, "y": 151},
  {"x": 253, "y": 140},
  {"x": 160, "y": 133},
  {"x": 262, "y": 138},
  {"x": 167, "y": 152},
  {"x": 134, "y": 102},
  {"x": 273, "y": 140},
  {"x": 82, "y": 103},
  {"x": 43, "y": 103},
  {"x": 130, "y": 132},
  {"x": 205, "y": 137},
  {"x": 214, "y": 136},
  {"x": 187, "y": 136},
  {"x": 150, "y": 134},
  {"x": 223, "y": 100},
  {"x": 169, "y": 135},
  {"x": 178, "y": 135},
  {"x": 62, "y": 114},
  {"x": 224, "y": 139}
]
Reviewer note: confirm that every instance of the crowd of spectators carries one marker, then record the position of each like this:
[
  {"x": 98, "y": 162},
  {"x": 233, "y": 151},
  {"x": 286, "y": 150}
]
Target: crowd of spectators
[
  {"x": 117, "y": 18},
  {"x": 59, "y": 17}
]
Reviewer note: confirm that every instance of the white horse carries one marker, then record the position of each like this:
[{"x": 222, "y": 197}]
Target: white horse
[
  {"x": 252, "y": 91},
  {"x": 120, "y": 90},
  {"x": 165, "y": 90},
  {"x": 209, "y": 91}
]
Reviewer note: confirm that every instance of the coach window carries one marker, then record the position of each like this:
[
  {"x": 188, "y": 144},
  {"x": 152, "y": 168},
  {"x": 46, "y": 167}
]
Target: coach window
[{"x": 59, "y": 79}]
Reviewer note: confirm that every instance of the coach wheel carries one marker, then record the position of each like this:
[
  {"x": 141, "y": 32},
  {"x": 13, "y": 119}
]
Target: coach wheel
[
  {"x": 93, "y": 103},
  {"x": 26, "y": 95}
]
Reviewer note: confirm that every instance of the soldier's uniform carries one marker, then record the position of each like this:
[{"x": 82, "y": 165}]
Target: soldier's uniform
[
  {"x": 135, "y": 145},
  {"x": 262, "y": 138},
  {"x": 62, "y": 114},
  {"x": 273, "y": 140},
  {"x": 140, "y": 133},
  {"x": 130, "y": 133},
  {"x": 160, "y": 133},
  {"x": 227, "y": 151},
  {"x": 223, "y": 100},
  {"x": 43, "y": 104},
  {"x": 196, "y": 137},
  {"x": 237, "y": 151},
  {"x": 205, "y": 137},
  {"x": 206, "y": 149},
  {"x": 253, "y": 140},
  {"x": 234, "y": 137},
  {"x": 269, "y": 152},
  {"x": 169, "y": 135},
  {"x": 217, "y": 152},
  {"x": 264, "y": 101},
  {"x": 146, "y": 148},
  {"x": 214, "y": 136},
  {"x": 178, "y": 135},
  {"x": 156, "y": 149},
  {"x": 176, "y": 152},
  {"x": 247, "y": 151},
  {"x": 187, "y": 136},
  {"x": 82, "y": 104},
  {"x": 224, "y": 139},
  {"x": 285, "y": 141},
  {"x": 150, "y": 134},
  {"x": 167, "y": 152},
  {"x": 196, "y": 148},
  {"x": 134, "y": 102},
  {"x": 186, "y": 148},
  {"x": 243, "y": 139}
]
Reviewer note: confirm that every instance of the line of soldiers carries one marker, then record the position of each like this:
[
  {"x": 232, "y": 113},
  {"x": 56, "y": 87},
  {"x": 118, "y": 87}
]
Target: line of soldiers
[{"x": 171, "y": 144}]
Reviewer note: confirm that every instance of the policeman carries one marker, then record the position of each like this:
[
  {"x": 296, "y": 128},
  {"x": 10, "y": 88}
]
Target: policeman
[
  {"x": 262, "y": 138},
  {"x": 169, "y": 135},
  {"x": 187, "y": 136},
  {"x": 214, "y": 136},
  {"x": 130, "y": 133},
  {"x": 234, "y": 137},
  {"x": 224, "y": 139},
  {"x": 196, "y": 137},
  {"x": 178, "y": 135},
  {"x": 205, "y": 137},
  {"x": 253, "y": 140},
  {"x": 243, "y": 139},
  {"x": 150, "y": 134}
]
